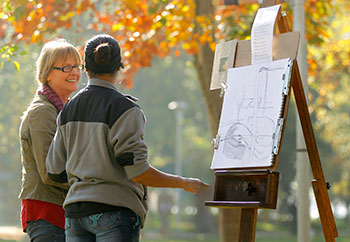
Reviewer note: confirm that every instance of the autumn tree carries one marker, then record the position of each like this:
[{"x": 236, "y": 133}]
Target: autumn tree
[{"x": 146, "y": 29}]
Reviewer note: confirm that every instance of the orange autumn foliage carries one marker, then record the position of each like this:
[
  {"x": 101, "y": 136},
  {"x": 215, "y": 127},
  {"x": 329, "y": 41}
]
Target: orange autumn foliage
[{"x": 144, "y": 28}]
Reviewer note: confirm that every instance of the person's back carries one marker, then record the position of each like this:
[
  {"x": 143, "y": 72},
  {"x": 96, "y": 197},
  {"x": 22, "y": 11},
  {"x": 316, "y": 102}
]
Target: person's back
[{"x": 96, "y": 126}]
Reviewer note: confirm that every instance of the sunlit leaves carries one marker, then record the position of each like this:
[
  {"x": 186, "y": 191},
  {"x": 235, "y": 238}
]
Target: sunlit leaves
[
  {"x": 330, "y": 87},
  {"x": 16, "y": 64},
  {"x": 6, "y": 52},
  {"x": 317, "y": 19},
  {"x": 146, "y": 29},
  {"x": 234, "y": 21},
  {"x": 67, "y": 16},
  {"x": 31, "y": 19}
]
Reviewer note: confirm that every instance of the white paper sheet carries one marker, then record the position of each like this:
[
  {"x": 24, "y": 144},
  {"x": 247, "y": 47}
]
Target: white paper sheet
[
  {"x": 251, "y": 109},
  {"x": 262, "y": 34},
  {"x": 223, "y": 60}
]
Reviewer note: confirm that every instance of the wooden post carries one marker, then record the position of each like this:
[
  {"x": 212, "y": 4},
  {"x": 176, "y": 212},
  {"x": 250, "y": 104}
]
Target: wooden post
[{"x": 248, "y": 224}]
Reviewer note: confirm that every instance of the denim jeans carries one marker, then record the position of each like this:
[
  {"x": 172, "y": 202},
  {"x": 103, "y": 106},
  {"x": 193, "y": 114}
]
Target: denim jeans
[
  {"x": 122, "y": 225},
  {"x": 43, "y": 231}
]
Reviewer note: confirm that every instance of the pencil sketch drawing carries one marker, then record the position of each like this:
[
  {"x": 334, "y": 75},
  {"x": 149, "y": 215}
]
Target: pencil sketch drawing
[{"x": 252, "y": 106}]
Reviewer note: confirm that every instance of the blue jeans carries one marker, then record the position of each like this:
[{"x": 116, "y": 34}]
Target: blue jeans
[
  {"x": 43, "y": 231},
  {"x": 122, "y": 225}
]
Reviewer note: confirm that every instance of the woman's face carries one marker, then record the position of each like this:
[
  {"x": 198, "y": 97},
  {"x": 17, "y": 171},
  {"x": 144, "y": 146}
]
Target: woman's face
[{"x": 64, "y": 83}]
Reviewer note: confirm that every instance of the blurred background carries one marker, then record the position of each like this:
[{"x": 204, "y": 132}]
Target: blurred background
[{"x": 165, "y": 76}]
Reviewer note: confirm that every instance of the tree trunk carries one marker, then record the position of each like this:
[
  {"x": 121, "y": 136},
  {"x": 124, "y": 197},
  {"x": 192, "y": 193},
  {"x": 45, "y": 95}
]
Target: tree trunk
[
  {"x": 229, "y": 219},
  {"x": 203, "y": 62}
]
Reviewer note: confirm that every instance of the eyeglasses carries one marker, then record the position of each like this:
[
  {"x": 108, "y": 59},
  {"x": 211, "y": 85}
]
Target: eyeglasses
[{"x": 69, "y": 68}]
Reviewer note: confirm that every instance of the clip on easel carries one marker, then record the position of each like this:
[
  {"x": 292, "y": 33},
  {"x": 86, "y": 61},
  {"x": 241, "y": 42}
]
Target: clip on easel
[{"x": 253, "y": 189}]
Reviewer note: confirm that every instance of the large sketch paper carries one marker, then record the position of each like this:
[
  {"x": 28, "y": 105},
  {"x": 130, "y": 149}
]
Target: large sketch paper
[
  {"x": 223, "y": 60},
  {"x": 253, "y": 104},
  {"x": 262, "y": 34}
]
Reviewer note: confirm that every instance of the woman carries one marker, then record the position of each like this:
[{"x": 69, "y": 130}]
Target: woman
[
  {"x": 99, "y": 146},
  {"x": 57, "y": 72}
]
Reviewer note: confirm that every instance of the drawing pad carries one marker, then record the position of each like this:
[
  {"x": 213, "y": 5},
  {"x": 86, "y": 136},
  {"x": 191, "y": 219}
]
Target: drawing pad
[{"x": 252, "y": 108}]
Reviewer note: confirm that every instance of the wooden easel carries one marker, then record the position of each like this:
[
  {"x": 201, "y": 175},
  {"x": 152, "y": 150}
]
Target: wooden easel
[{"x": 250, "y": 190}]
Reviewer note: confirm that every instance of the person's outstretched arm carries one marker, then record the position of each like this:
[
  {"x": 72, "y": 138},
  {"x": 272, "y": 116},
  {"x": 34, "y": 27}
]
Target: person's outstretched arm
[
  {"x": 130, "y": 151},
  {"x": 155, "y": 178}
]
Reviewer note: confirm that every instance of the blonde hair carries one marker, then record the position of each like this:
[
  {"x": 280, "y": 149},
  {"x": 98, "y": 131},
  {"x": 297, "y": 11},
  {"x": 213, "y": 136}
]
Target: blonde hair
[{"x": 52, "y": 51}]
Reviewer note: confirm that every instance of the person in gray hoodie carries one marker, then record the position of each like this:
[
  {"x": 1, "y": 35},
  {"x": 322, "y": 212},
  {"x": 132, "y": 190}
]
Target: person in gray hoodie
[{"x": 99, "y": 149}]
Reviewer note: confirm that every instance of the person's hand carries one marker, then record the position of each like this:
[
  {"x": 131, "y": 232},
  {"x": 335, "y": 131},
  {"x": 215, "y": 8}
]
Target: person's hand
[{"x": 194, "y": 185}]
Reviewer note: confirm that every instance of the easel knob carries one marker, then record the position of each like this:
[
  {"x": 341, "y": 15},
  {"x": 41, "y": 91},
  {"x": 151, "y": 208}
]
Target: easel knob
[{"x": 250, "y": 189}]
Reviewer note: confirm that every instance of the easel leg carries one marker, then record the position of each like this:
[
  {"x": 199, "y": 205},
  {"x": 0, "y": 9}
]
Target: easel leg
[
  {"x": 231, "y": 218},
  {"x": 319, "y": 184},
  {"x": 324, "y": 207},
  {"x": 248, "y": 224}
]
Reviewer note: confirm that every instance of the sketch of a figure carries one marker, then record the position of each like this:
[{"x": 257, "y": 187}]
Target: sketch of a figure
[
  {"x": 237, "y": 141},
  {"x": 252, "y": 106}
]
